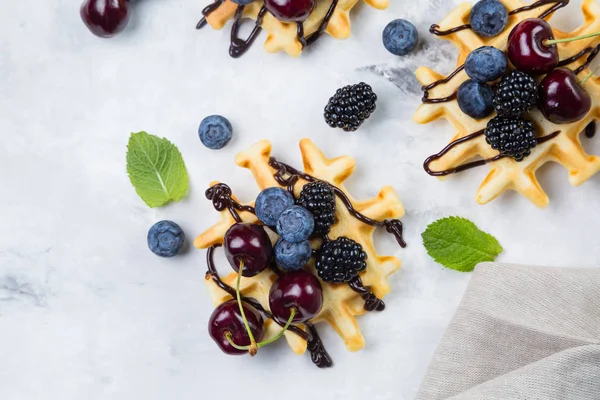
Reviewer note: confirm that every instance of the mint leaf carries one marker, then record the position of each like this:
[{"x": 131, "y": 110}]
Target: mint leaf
[
  {"x": 156, "y": 169},
  {"x": 458, "y": 244}
]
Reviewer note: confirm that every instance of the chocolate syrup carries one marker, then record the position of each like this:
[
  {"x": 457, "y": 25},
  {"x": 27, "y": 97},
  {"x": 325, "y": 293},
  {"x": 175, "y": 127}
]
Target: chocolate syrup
[
  {"x": 558, "y": 5},
  {"x": 239, "y": 46},
  {"x": 433, "y": 29},
  {"x": 372, "y": 302},
  {"x": 221, "y": 197},
  {"x": 318, "y": 354},
  {"x": 590, "y": 130},
  {"x": 207, "y": 10},
  {"x": 427, "y": 88},
  {"x": 393, "y": 226},
  {"x": 588, "y": 61},
  {"x": 471, "y": 164},
  {"x": 314, "y": 36}
]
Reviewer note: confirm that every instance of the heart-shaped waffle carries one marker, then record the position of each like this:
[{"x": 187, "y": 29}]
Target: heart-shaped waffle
[
  {"x": 341, "y": 304},
  {"x": 332, "y": 17},
  {"x": 565, "y": 148}
]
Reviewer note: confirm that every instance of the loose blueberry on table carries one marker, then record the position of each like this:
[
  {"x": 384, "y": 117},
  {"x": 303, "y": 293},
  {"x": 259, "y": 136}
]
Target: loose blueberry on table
[
  {"x": 400, "y": 37},
  {"x": 296, "y": 296},
  {"x": 165, "y": 239},
  {"x": 215, "y": 132}
]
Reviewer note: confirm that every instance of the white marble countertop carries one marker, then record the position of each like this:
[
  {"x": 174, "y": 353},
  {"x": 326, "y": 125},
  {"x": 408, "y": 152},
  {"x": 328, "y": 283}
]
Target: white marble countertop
[{"x": 88, "y": 312}]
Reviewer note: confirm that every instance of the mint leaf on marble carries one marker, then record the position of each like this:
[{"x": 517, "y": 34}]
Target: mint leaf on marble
[
  {"x": 458, "y": 244},
  {"x": 156, "y": 169}
]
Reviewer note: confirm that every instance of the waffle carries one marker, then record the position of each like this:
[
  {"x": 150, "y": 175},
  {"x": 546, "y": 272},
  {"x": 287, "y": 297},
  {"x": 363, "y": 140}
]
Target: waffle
[
  {"x": 283, "y": 36},
  {"x": 340, "y": 303},
  {"x": 565, "y": 149}
]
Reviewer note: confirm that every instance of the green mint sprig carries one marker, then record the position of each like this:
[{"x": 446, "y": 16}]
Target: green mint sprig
[
  {"x": 156, "y": 169},
  {"x": 458, "y": 244}
]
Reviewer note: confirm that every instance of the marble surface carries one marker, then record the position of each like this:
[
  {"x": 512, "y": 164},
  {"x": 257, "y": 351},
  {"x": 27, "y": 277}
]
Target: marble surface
[{"x": 87, "y": 312}]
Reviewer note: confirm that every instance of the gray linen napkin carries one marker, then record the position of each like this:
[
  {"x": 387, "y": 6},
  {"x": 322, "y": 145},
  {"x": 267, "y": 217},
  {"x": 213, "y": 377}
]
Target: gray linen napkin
[{"x": 521, "y": 333}]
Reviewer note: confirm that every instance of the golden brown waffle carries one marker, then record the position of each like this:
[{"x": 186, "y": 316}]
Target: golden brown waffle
[
  {"x": 340, "y": 303},
  {"x": 506, "y": 173},
  {"x": 283, "y": 36}
]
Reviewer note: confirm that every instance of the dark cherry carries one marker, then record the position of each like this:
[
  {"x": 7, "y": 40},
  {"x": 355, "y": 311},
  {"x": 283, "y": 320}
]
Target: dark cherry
[
  {"x": 227, "y": 318},
  {"x": 248, "y": 244},
  {"x": 296, "y": 289},
  {"x": 105, "y": 18},
  {"x": 290, "y": 10},
  {"x": 561, "y": 98},
  {"x": 527, "y": 49}
]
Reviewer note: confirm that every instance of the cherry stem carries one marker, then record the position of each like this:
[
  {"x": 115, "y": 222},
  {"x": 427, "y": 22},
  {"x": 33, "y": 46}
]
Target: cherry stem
[
  {"x": 571, "y": 39},
  {"x": 229, "y": 336},
  {"x": 282, "y": 331},
  {"x": 253, "y": 348},
  {"x": 589, "y": 75}
]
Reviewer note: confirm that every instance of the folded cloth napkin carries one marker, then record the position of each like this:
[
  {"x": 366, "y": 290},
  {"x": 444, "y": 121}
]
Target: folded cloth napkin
[{"x": 521, "y": 333}]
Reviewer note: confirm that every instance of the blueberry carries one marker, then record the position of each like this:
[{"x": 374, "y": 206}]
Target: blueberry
[
  {"x": 292, "y": 256},
  {"x": 242, "y": 2},
  {"x": 488, "y": 17},
  {"x": 295, "y": 224},
  {"x": 486, "y": 64},
  {"x": 215, "y": 132},
  {"x": 400, "y": 37},
  {"x": 165, "y": 238},
  {"x": 475, "y": 99},
  {"x": 271, "y": 202}
]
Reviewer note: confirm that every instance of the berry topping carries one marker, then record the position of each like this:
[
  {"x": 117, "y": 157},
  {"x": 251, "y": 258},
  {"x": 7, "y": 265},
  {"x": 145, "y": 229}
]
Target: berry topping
[
  {"x": 475, "y": 99},
  {"x": 486, "y": 64},
  {"x": 215, "y": 132},
  {"x": 341, "y": 260},
  {"x": 562, "y": 99},
  {"x": 165, "y": 238},
  {"x": 226, "y": 319},
  {"x": 516, "y": 94},
  {"x": 295, "y": 224},
  {"x": 318, "y": 198},
  {"x": 290, "y": 10},
  {"x": 400, "y": 37},
  {"x": 488, "y": 17},
  {"x": 248, "y": 244},
  {"x": 299, "y": 290},
  {"x": 350, "y": 106},
  {"x": 271, "y": 202},
  {"x": 242, "y": 2},
  {"x": 105, "y": 18},
  {"x": 513, "y": 137},
  {"x": 292, "y": 256}
]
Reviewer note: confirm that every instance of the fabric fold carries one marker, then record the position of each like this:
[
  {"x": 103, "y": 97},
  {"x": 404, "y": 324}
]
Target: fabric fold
[{"x": 521, "y": 332}]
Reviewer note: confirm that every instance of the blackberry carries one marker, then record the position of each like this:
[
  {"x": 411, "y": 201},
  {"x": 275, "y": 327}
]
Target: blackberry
[
  {"x": 341, "y": 260},
  {"x": 516, "y": 94},
  {"x": 319, "y": 198},
  {"x": 514, "y": 137},
  {"x": 350, "y": 106}
]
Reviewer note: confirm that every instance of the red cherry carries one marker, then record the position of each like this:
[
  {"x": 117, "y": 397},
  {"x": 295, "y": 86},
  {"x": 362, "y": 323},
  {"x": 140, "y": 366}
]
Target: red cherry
[
  {"x": 300, "y": 290},
  {"x": 527, "y": 48},
  {"x": 248, "y": 244},
  {"x": 290, "y": 10},
  {"x": 227, "y": 319},
  {"x": 562, "y": 99},
  {"x": 105, "y": 18}
]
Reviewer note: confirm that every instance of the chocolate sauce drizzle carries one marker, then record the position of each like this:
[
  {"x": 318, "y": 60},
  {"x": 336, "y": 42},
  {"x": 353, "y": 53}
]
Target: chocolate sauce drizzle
[
  {"x": 221, "y": 197},
  {"x": 427, "y": 88},
  {"x": 434, "y": 29},
  {"x": 372, "y": 302},
  {"x": 239, "y": 46},
  {"x": 590, "y": 130},
  {"x": 471, "y": 164},
  {"x": 318, "y": 354}
]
